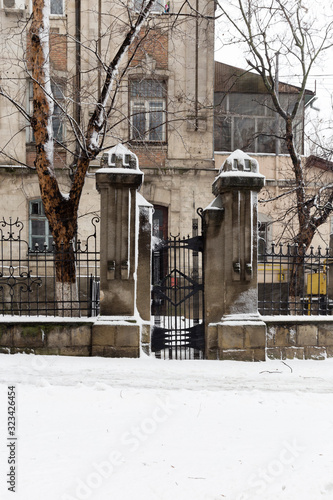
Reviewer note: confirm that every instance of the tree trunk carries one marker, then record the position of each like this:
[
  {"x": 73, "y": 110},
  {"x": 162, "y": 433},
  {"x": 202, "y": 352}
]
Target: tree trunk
[
  {"x": 297, "y": 271},
  {"x": 66, "y": 284},
  {"x": 63, "y": 224}
]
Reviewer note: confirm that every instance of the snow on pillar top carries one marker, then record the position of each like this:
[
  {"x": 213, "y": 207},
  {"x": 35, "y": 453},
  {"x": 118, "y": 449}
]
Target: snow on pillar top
[
  {"x": 239, "y": 171},
  {"x": 240, "y": 161},
  {"x": 120, "y": 157},
  {"x": 119, "y": 167}
]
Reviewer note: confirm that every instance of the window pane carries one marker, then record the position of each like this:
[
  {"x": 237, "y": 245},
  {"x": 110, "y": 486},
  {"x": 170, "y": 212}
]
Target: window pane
[
  {"x": 159, "y": 5},
  {"x": 245, "y": 104},
  {"x": 38, "y": 227},
  {"x": 244, "y": 134},
  {"x": 57, "y": 7},
  {"x": 222, "y": 134},
  {"x": 57, "y": 91},
  {"x": 138, "y": 5},
  {"x": 147, "y": 88},
  {"x": 220, "y": 101},
  {"x": 268, "y": 105},
  {"x": 266, "y": 143},
  {"x": 39, "y": 240},
  {"x": 262, "y": 239},
  {"x": 57, "y": 128},
  {"x": 138, "y": 122},
  {"x": 49, "y": 242},
  {"x": 34, "y": 208},
  {"x": 156, "y": 118},
  {"x": 288, "y": 101}
]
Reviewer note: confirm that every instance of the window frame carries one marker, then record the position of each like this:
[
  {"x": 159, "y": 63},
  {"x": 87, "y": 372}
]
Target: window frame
[
  {"x": 160, "y": 222},
  {"x": 39, "y": 217},
  {"x": 145, "y": 105},
  {"x": 228, "y": 117}
]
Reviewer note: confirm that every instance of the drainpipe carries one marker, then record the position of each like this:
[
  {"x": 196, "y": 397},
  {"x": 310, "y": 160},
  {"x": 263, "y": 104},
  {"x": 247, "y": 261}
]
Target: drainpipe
[
  {"x": 99, "y": 44},
  {"x": 196, "y": 90},
  {"x": 276, "y": 85},
  {"x": 77, "y": 80}
]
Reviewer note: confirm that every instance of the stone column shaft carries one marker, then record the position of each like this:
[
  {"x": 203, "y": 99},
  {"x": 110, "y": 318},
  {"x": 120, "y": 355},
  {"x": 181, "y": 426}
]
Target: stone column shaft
[
  {"x": 233, "y": 326},
  {"x": 118, "y": 240}
]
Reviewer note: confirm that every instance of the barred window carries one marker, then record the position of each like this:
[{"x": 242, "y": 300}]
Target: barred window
[{"x": 147, "y": 110}]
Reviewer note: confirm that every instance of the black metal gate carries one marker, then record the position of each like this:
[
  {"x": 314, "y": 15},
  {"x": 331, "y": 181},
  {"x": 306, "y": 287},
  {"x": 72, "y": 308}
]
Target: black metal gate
[{"x": 178, "y": 299}]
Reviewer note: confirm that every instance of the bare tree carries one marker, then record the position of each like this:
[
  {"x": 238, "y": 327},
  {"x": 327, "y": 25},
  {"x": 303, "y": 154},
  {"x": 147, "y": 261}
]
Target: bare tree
[{"x": 296, "y": 34}]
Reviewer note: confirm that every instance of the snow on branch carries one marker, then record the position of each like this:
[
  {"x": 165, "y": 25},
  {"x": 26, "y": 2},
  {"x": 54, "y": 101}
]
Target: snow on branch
[{"x": 98, "y": 119}]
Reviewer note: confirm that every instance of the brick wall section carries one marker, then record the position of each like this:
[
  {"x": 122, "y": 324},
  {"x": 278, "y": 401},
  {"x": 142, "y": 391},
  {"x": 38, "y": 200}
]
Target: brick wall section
[
  {"x": 58, "y": 51},
  {"x": 154, "y": 43},
  {"x": 152, "y": 158},
  {"x": 301, "y": 339},
  {"x": 59, "y": 157}
]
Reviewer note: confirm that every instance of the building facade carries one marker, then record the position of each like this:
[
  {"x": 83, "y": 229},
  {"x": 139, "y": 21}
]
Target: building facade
[{"x": 161, "y": 104}]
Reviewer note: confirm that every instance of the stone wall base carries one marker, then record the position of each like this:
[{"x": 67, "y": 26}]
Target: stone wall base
[
  {"x": 296, "y": 338},
  {"x": 288, "y": 338},
  {"x": 237, "y": 338},
  {"x": 116, "y": 339},
  {"x": 76, "y": 338},
  {"x": 67, "y": 339}
]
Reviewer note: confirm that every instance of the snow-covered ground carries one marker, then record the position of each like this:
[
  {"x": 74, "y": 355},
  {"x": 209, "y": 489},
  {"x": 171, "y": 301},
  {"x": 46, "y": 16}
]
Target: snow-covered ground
[{"x": 147, "y": 429}]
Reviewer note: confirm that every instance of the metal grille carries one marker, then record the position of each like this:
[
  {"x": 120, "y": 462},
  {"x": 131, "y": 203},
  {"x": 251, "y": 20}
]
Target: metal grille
[
  {"x": 28, "y": 284},
  {"x": 178, "y": 331},
  {"x": 293, "y": 281}
]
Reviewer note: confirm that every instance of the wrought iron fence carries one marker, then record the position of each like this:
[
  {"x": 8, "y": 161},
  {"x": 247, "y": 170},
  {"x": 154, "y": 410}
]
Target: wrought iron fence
[
  {"x": 294, "y": 281},
  {"x": 28, "y": 278}
]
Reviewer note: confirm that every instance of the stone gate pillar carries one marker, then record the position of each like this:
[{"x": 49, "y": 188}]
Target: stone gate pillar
[
  {"x": 233, "y": 326},
  {"x": 117, "y": 332}
]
